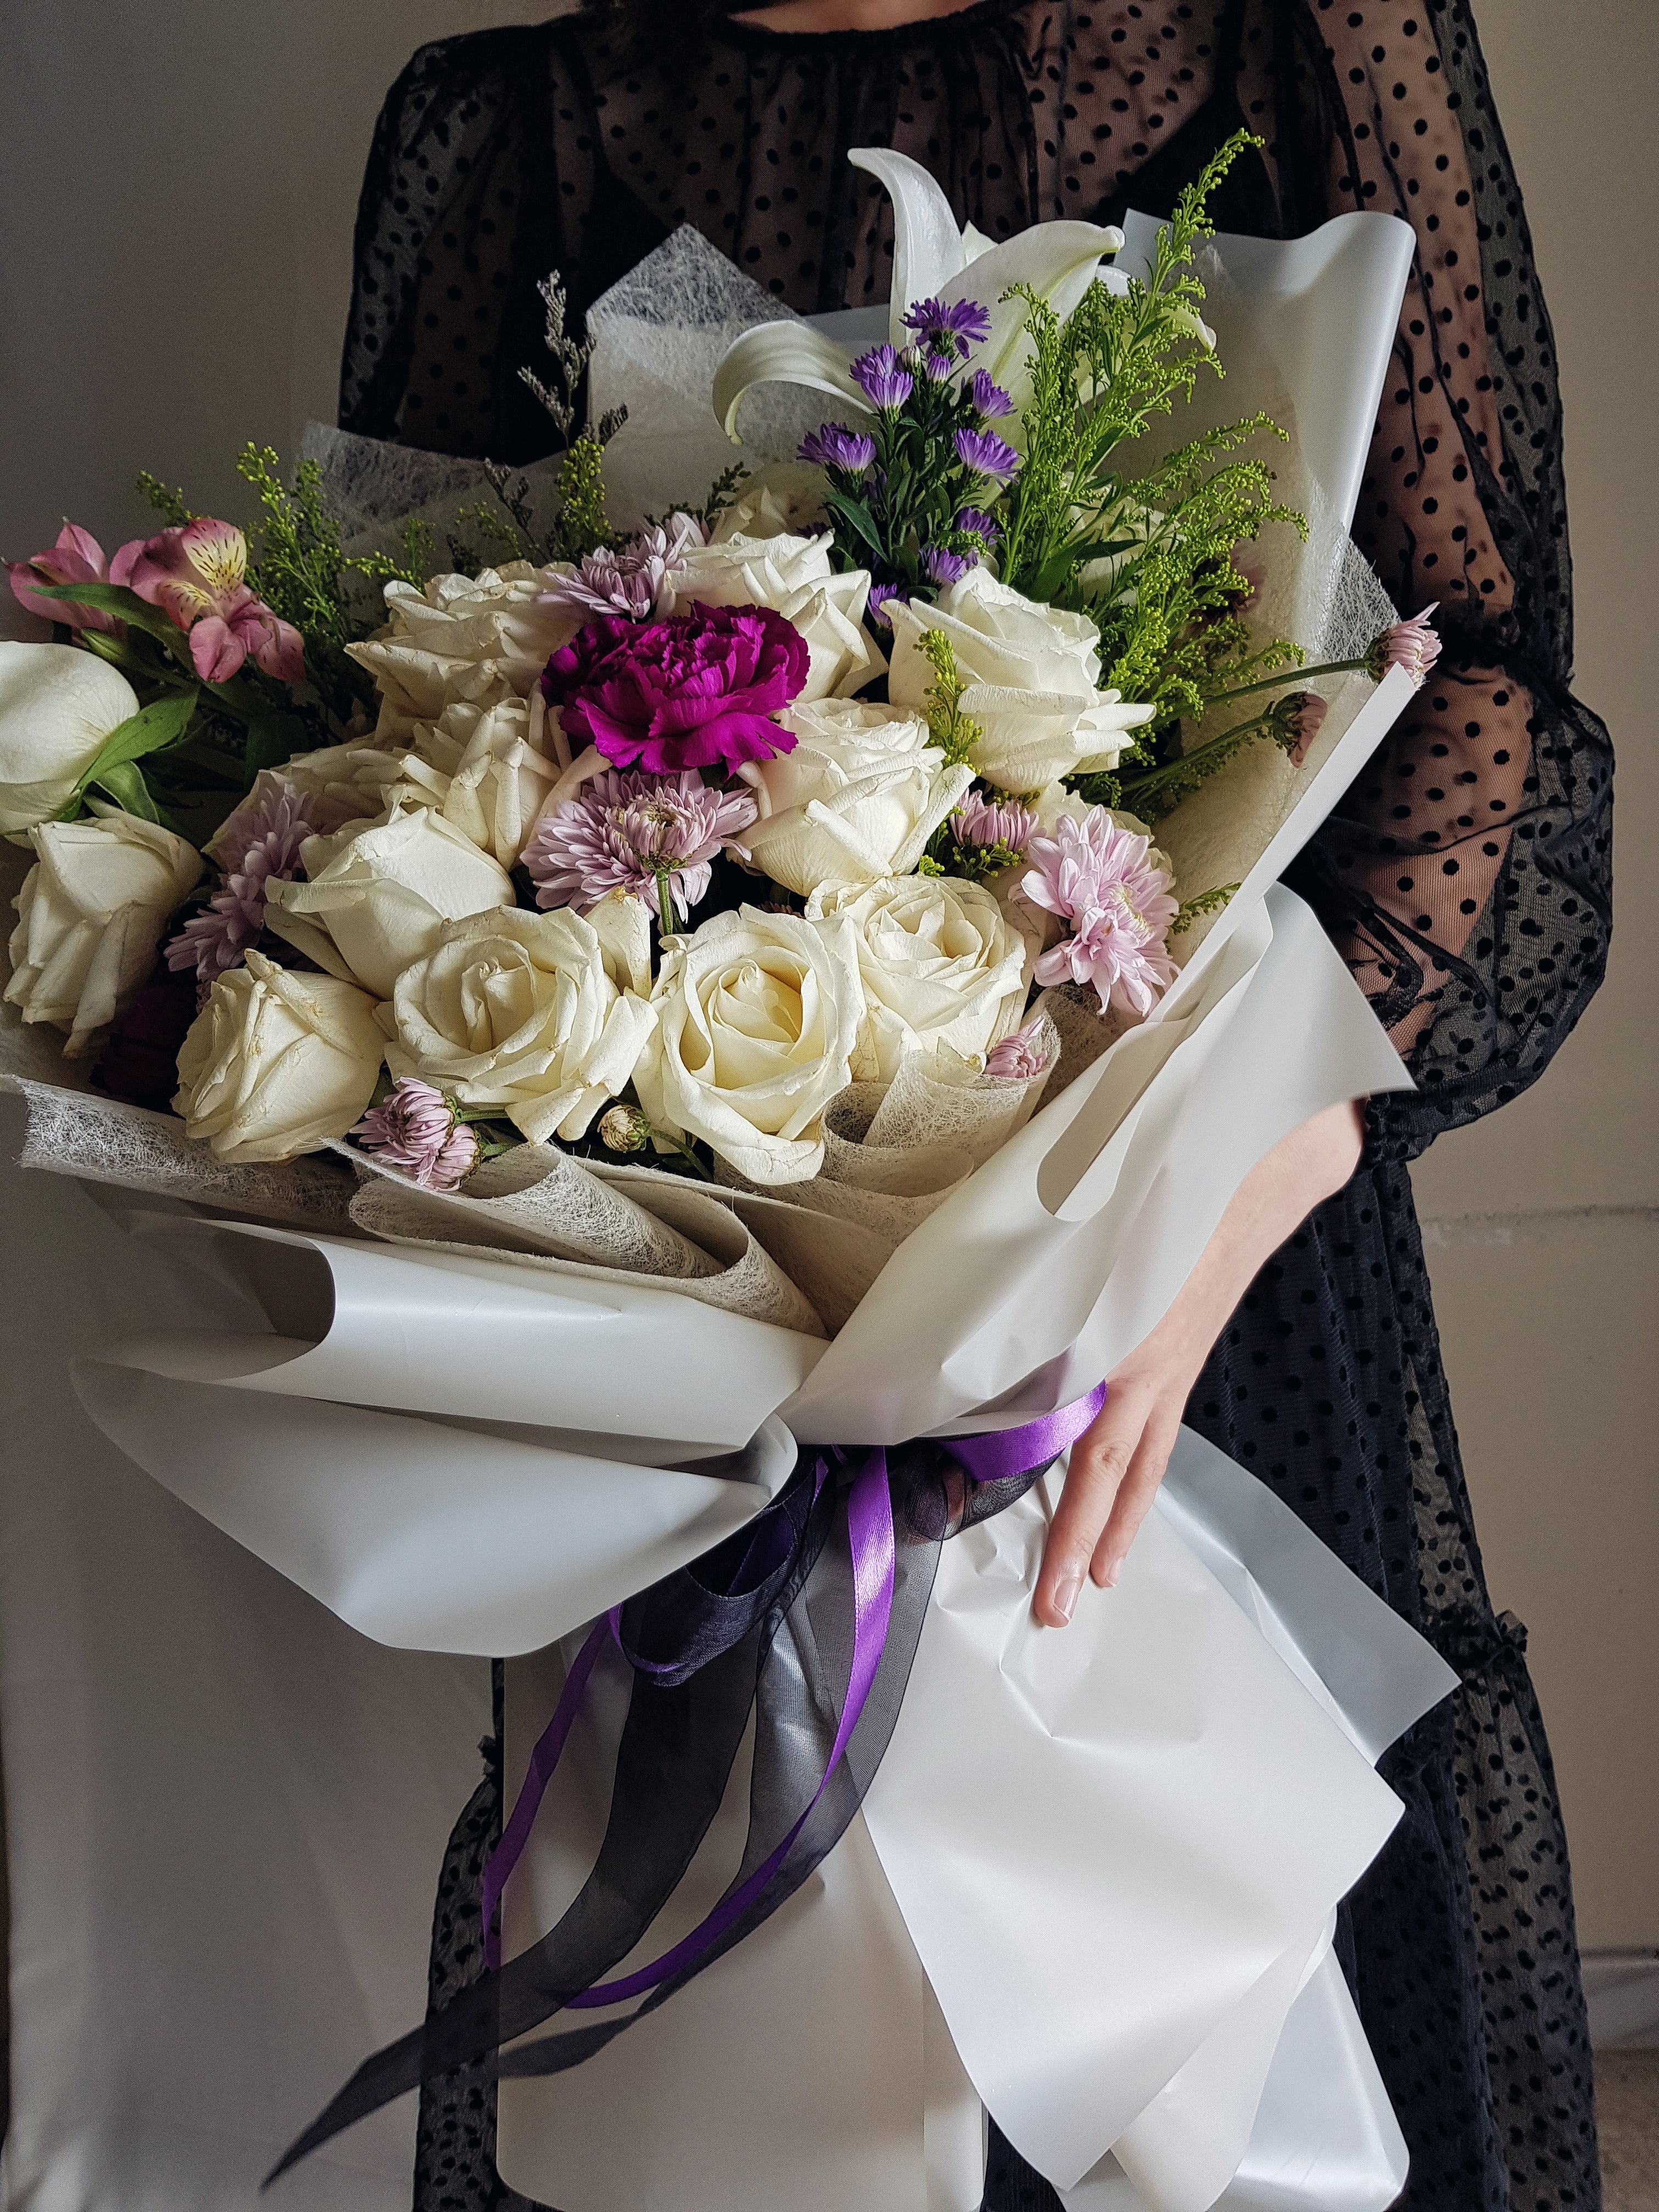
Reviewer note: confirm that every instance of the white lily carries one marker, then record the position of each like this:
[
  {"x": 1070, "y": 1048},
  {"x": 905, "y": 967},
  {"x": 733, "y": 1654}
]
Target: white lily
[{"x": 932, "y": 259}]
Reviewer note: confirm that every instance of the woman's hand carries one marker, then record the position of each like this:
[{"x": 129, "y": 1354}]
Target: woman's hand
[{"x": 1118, "y": 1462}]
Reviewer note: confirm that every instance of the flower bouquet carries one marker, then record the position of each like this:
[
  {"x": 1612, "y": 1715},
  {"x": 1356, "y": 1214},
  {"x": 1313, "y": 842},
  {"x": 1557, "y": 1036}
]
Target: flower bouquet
[{"x": 748, "y": 1009}]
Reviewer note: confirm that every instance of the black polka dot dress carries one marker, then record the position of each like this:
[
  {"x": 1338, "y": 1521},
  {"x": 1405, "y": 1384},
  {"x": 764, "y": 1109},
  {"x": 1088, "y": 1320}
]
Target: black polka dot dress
[{"x": 1465, "y": 877}]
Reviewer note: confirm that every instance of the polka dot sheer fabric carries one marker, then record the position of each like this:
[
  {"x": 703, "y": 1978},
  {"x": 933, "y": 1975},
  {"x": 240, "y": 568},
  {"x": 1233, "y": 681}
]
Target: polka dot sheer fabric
[{"x": 1465, "y": 876}]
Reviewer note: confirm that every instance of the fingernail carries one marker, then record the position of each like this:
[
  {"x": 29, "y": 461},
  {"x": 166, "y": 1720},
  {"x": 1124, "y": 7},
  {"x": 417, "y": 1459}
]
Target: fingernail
[
  {"x": 1114, "y": 1569},
  {"x": 1066, "y": 1590}
]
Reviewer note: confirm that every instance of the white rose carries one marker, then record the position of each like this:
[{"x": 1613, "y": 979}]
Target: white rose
[
  {"x": 58, "y": 705},
  {"x": 478, "y": 638},
  {"x": 782, "y": 498},
  {"x": 379, "y": 897},
  {"x": 482, "y": 769},
  {"x": 338, "y": 785},
  {"x": 857, "y": 798},
  {"x": 90, "y": 916},
  {"x": 940, "y": 965},
  {"x": 522, "y": 1011},
  {"x": 793, "y": 576},
  {"x": 276, "y": 1063},
  {"x": 757, "y": 1017},
  {"x": 1031, "y": 672}
]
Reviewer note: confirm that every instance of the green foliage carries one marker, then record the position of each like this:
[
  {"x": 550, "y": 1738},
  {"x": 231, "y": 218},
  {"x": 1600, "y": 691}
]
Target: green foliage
[
  {"x": 1206, "y": 902},
  {"x": 168, "y": 503},
  {"x": 583, "y": 526},
  {"x": 955, "y": 733},
  {"x": 1155, "y": 792}
]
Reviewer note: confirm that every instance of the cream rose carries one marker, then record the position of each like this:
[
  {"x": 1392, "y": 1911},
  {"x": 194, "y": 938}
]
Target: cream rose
[
  {"x": 793, "y": 576},
  {"x": 522, "y": 1011},
  {"x": 940, "y": 964},
  {"x": 484, "y": 769},
  {"x": 857, "y": 798},
  {"x": 58, "y": 705},
  {"x": 277, "y": 1064},
  {"x": 782, "y": 499},
  {"x": 478, "y": 638},
  {"x": 89, "y": 917},
  {"x": 340, "y": 784},
  {"x": 758, "y": 1015},
  {"x": 1031, "y": 672},
  {"x": 379, "y": 896}
]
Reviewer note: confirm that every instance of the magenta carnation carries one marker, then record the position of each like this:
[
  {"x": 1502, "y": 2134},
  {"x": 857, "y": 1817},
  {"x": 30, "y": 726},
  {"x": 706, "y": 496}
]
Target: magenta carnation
[
  {"x": 695, "y": 691},
  {"x": 1099, "y": 880},
  {"x": 415, "y": 1130},
  {"x": 624, "y": 830}
]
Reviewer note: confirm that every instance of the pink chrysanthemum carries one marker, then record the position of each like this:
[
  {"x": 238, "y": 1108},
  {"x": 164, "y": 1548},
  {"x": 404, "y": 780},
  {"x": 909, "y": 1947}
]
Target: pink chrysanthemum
[
  {"x": 979, "y": 823},
  {"x": 268, "y": 836},
  {"x": 1298, "y": 718},
  {"x": 1412, "y": 645},
  {"x": 624, "y": 830},
  {"x": 414, "y": 1130},
  {"x": 628, "y": 583},
  {"x": 1098, "y": 879},
  {"x": 1018, "y": 1059}
]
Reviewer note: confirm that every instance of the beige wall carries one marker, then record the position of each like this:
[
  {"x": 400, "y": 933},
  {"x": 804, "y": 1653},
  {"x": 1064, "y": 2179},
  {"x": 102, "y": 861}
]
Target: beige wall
[{"x": 173, "y": 275}]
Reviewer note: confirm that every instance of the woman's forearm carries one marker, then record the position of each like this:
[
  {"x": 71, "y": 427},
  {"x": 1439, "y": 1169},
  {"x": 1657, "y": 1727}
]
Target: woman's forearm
[{"x": 1116, "y": 1467}]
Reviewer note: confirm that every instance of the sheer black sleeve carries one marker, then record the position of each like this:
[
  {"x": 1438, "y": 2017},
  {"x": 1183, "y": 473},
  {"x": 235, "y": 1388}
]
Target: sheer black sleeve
[
  {"x": 462, "y": 212},
  {"x": 1468, "y": 874}
]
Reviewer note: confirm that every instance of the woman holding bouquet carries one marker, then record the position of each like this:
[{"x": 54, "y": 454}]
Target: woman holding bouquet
[{"x": 1465, "y": 877}]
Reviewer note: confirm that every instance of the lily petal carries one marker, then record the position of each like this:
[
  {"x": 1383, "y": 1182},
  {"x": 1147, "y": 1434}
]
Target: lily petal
[
  {"x": 783, "y": 353},
  {"x": 928, "y": 249},
  {"x": 1058, "y": 260}
]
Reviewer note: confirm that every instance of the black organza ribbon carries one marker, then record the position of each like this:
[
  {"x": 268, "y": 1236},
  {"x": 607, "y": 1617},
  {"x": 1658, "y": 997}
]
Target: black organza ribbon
[{"x": 829, "y": 1585}]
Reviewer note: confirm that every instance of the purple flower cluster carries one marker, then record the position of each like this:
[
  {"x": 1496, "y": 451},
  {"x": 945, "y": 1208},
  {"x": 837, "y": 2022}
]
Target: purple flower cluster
[
  {"x": 980, "y": 825},
  {"x": 882, "y": 378},
  {"x": 269, "y": 841},
  {"x": 626, "y": 832},
  {"x": 987, "y": 454},
  {"x": 949, "y": 328},
  {"x": 973, "y": 524},
  {"x": 834, "y": 446}
]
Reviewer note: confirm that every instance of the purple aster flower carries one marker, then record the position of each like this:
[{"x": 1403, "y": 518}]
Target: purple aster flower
[
  {"x": 947, "y": 568},
  {"x": 880, "y": 594},
  {"x": 622, "y": 831},
  {"x": 833, "y": 445},
  {"x": 979, "y": 824},
  {"x": 415, "y": 1130},
  {"x": 882, "y": 378},
  {"x": 268, "y": 838},
  {"x": 628, "y": 583},
  {"x": 990, "y": 398},
  {"x": 974, "y": 523},
  {"x": 984, "y": 452},
  {"x": 1018, "y": 1058},
  {"x": 939, "y": 367},
  {"x": 955, "y": 327}
]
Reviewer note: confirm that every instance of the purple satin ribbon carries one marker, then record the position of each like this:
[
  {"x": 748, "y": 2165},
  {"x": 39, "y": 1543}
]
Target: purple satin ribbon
[{"x": 994, "y": 1456}]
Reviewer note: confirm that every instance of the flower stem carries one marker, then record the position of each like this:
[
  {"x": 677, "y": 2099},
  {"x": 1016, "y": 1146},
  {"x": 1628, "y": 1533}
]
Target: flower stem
[
  {"x": 667, "y": 918},
  {"x": 1286, "y": 677}
]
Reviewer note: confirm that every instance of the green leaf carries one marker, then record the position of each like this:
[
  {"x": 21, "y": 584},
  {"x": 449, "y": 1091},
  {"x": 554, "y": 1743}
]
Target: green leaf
[
  {"x": 272, "y": 738},
  {"x": 127, "y": 789},
  {"x": 856, "y": 517},
  {"x": 115, "y": 600},
  {"x": 162, "y": 723}
]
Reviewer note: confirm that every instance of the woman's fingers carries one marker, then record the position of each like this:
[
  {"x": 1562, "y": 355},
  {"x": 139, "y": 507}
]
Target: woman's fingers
[
  {"x": 1100, "y": 1458},
  {"x": 1135, "y": 1493}
]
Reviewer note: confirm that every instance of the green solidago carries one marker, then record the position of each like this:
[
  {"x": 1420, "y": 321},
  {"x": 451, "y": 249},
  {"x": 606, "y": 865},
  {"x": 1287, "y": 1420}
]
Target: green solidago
[{"x": 953, "y": 732}]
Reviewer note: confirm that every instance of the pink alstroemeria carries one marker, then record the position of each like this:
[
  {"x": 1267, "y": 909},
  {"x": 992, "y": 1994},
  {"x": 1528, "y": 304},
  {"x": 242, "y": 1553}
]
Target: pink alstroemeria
[
  {"x": 76, "y": 558},
  {"x": 196, "y": 573}
]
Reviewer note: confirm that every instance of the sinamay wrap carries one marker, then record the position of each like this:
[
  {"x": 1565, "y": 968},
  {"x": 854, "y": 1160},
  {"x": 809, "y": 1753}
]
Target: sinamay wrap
[{"x": 1092, "y": 1882}]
